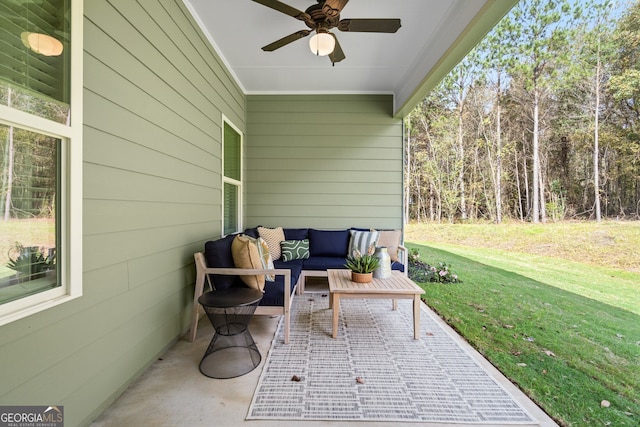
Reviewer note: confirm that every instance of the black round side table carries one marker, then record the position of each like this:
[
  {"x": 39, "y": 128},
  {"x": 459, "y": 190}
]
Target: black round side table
[{"x": 232, "y": 351}]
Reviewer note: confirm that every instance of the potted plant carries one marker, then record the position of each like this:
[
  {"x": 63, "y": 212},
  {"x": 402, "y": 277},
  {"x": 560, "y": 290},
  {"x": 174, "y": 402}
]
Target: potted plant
[
  {"x": 362, "y": 265},
  {"x": 30, "y": 263}
]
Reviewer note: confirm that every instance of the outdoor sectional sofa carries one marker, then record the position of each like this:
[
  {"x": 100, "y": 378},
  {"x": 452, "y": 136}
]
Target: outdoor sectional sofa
[{"x": 327, "y": 249}]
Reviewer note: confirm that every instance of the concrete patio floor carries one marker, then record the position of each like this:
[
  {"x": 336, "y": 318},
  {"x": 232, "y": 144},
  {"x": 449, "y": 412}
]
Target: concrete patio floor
[{"x": 173, "y": 392}]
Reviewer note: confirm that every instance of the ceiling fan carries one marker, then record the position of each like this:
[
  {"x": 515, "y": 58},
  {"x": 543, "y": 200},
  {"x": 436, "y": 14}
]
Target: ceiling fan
[{"x": 321, "y": 18}]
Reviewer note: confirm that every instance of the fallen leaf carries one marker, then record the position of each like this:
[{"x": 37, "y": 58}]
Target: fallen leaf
[
  {"x": 521, "y": 364},
  {"x": 359, "y": 380},
  {"x": 605, "y": 403},
  {"x": 544, "y": 372},
  {"x": 508, "y": 326},
  {"x": 516, "y": 353},
  {"x": 295, "y": 378},
  {"x": 549, "y": 353},
  {"x": 429, "y": 334}
]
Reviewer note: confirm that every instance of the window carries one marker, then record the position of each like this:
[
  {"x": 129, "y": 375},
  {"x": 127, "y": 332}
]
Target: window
[
  {"x": 231, "y": 179},
  {"x": 40, "y": 155}
]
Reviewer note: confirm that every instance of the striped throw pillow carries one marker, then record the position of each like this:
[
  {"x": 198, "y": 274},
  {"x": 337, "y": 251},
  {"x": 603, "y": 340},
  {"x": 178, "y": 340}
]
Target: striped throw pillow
[
  {"x": 362, "y": 241},
  {"x": 273, "y": 237}
]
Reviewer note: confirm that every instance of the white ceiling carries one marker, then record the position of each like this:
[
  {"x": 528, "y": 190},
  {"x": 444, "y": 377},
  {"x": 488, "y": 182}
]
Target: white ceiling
[{"x": 395, "y": 63}]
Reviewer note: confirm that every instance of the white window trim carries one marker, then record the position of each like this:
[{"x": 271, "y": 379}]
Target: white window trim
[
  {"x": 235, "y": 182},
  {"x": 70, "y": 186}
]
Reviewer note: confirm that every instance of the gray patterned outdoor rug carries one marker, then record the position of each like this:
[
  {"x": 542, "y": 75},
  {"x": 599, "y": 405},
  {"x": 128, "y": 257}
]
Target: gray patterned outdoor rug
[{"x": 375, "y": 370}]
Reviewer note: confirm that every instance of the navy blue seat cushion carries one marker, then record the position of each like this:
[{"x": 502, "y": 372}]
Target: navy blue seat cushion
[
  {"x": 294, "y": 265},
  {"x": 217, "y": 254},
  {"x": 273, "y": 291},
  {"x": 320, "y": 263},
  {"x": 296, "y": 233},
  {"x": 328, "y": 243}
]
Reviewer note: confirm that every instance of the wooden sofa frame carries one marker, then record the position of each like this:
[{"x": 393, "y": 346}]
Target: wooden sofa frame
[{"x": 202, "y": 274}]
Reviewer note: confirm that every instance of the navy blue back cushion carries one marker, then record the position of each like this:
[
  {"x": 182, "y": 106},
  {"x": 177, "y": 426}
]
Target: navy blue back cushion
[
  {"x": 321, "y": 263},
  {"x": 329, "y": 242},
  {"x": 296, "y": 233},
  {"x": 252, "y": 232},
  {"x": 217, "y": 254}
]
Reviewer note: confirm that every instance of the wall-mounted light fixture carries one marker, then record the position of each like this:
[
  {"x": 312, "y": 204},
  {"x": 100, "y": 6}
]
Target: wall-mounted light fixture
[
  {"x": 42, "y": 43},
  {"x": 322, "y": 44}
]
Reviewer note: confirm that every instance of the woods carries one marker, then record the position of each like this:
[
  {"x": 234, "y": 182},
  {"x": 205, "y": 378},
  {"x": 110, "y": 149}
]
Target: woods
[
  {"x": 538, "y": 123},
  {"x": 29, "y": 161}
]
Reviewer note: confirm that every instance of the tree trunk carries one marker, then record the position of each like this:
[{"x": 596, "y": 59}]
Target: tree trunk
[
  {"x": 596, "y": 143},
  {"x": 525, "y": 174},
  {"x": 498, "y": 184},
  {"x": 515, "y": 155},
  {"x": 432, "y": 199},
  {"x": 418, "y": 199},
  {"x": 407, "y": 190},
  {"x": 535, "y": 181},
  {"x": 463, "y": 202},
  {"x": 543, "y": 205}
]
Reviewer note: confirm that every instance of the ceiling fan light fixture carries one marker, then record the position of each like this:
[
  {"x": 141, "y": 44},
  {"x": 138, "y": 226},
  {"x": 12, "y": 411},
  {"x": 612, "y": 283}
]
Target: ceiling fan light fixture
[
  {"x": 322, "y": 44},
  {"x": 42, "y": 43}
]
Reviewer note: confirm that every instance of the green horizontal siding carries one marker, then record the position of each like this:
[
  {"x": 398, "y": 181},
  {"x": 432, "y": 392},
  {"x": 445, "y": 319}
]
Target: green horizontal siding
[
  {"x": 263, "y": 175},
  {"x": 323, "y": 162},
  {"x": 154, "y": 96}
]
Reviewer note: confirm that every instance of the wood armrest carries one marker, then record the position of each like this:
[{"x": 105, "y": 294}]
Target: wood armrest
[
  {"x": 203, "y": 272},
  {"x": 403, "y": 257},
  {"x": 232, "y": 271},
  {"x": 405, "y": 254}
]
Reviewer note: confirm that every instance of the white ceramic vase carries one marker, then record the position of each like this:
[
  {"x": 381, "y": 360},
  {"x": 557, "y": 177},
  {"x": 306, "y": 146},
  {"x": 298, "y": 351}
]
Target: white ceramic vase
[{"x": 384, "y": 268}]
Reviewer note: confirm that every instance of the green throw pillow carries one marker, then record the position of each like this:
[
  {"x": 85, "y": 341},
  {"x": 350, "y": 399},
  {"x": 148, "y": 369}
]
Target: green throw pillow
[{"x": 294, "y": 249}]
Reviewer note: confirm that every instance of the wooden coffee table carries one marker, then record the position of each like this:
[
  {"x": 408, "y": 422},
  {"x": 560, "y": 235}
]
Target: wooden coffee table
[{"x": 398, "y": 286}]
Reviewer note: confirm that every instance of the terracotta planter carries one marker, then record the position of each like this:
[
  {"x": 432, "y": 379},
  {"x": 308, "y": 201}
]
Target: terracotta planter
[{"x": 361, "y": 277}]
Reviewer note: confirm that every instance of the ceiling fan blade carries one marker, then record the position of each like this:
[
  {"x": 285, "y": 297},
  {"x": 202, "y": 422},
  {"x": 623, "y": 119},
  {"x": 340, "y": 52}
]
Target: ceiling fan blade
[
  {"x": 369, "y": 25},
  {"x": 285, "y": 8},
  {"x": 337, "y": 55},
  {"x": 332, "y": 8},
  {"x": 286, "y": 40}
]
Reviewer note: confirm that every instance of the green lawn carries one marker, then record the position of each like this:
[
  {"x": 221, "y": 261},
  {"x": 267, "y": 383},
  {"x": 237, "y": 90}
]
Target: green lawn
[{"x": 567, "y": 333}]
